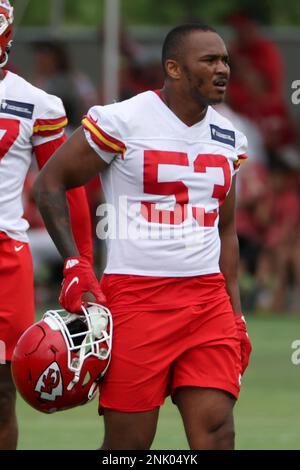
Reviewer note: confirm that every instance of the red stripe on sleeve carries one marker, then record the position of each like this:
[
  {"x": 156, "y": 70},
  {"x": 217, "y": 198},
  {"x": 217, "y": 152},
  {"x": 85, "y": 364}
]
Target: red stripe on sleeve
[{"x": 49, "y": 122}]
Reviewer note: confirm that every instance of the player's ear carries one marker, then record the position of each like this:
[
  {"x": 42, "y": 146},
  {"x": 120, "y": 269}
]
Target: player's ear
[{"x": 173, "y": 69}]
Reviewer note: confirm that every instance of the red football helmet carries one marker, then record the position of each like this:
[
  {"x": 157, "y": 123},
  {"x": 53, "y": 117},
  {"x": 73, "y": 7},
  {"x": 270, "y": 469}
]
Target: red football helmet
[
  {"x": 58, "y": 362},
  {"x": 6, "y": 30}
]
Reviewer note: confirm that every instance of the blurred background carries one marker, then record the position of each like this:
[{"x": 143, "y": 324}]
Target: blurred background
[{"x": 96, "y": 51}]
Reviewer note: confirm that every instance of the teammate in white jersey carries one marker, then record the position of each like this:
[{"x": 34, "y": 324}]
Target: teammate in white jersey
[
  {"x": 31, "y": 121},
  {"x": 168, "y": 164}
]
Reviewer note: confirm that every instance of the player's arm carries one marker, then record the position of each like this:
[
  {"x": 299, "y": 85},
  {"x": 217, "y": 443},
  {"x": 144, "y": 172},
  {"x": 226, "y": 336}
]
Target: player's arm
[
  {"x": 71, "y": 166},
  {"x": 229, "y": 259},
  {"x": 77, "y": 200},
  {"x": 229, "y": 263}
]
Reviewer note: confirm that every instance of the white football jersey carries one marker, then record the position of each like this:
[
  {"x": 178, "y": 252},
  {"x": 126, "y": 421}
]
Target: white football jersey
[
  {"x": 164, "y": 185},
  {"x": 28, "y": 117}
]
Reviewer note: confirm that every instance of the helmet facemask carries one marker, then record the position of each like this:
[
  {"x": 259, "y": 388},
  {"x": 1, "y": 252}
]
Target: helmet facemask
[
  {"x": 85, "y": 335},
  {"x": 6, "y": 30}
]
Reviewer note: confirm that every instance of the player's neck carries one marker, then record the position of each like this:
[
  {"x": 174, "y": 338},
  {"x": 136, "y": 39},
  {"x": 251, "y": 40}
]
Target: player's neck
[
  {"x": 2, "y": 74},
  {"x": 188, "y": 112}
]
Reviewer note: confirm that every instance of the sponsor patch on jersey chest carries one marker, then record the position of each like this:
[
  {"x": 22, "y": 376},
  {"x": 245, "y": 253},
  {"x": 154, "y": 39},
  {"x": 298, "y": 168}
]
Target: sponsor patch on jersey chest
[{"x": 17, "y": 108}]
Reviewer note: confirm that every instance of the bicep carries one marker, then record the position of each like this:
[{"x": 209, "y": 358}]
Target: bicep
[
  {"x": 74, "y": 163},
  {"x": 227, "y": 210}
]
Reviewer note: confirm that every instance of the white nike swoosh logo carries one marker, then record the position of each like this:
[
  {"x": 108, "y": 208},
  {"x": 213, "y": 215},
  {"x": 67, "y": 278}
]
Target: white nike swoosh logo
[
  {"x": 75, "y": 280},
  {"x": 19, "y": 248}
]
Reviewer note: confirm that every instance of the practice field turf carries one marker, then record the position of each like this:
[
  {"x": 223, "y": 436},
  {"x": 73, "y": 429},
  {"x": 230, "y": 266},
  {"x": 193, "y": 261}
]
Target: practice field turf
[{"x": 267, "y": 414}]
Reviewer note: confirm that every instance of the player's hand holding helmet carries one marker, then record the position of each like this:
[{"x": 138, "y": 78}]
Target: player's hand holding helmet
[
  {"x": 246, "y": 346},
  {"x": 79, "y": 278},
  {"x": 58, "y": 362}
]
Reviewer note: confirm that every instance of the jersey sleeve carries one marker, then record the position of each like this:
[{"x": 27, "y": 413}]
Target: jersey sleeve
[
  {"x": 241, "y": 150},
  {"x": 101, "y": 133},
  {"x": 50, "y": 120}
]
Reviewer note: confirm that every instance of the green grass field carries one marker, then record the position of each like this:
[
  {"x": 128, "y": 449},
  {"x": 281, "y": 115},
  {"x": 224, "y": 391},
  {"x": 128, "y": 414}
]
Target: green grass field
[{"x": 267, "y": 414}]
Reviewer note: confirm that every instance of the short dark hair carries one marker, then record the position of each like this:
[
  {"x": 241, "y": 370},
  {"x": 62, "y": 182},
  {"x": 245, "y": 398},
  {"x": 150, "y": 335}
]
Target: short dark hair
[{"x": 174, "y": 39}]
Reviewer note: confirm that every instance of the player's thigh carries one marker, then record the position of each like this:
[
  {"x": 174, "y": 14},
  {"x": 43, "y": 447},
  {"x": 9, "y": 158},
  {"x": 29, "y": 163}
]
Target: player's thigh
[
  {"x": 145, "y": 345},
  {"x": 207, "y": 415},
  {"x": 132, "y": 431}
]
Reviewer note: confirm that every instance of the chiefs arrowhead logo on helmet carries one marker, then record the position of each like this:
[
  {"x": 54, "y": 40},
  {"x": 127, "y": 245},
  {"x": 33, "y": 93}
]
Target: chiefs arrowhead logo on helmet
[
  {"x": 59, "y": 361},
  {"x": 50, "y": 385}
]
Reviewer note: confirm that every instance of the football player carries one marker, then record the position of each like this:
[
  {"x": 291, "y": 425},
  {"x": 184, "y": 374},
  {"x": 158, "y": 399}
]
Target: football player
[
  {"x": 171, "y": 278},
  {"x": 31, "y": 121}
]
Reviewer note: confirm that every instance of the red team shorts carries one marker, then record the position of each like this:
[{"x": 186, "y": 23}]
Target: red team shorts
[
  {"x": 168, "y": 333},
  {"x": 16, "y": 293}
]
